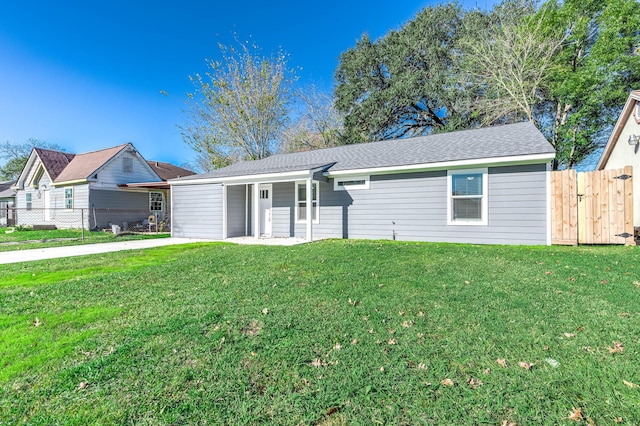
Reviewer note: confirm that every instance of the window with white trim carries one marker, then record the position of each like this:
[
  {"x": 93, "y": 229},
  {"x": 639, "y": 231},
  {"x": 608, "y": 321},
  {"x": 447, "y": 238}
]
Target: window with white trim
[
  {"x": 156, "y": 201},
  {"x": 301, "y": 202},
  {"x": 68, "y": 198},
  {"x": 28, "y": 199},
  {"x": 353, "y": 182},
  {"x": 467, "y": 197}
]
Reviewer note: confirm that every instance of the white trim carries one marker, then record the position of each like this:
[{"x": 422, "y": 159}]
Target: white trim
[
  {"x": 264, "y": 177},
  {"x": 263, "y": 224},
  {"x": 255, "y": 223},
  {"x": 365, "y": 185},
  {"x": 304, "y": 182},
  {"x": 162, "y": 202},
  {"x": 224, "y": 212},
  {"x": 445, "y": 165},
  {"x": 484, "y": 201},
  {"x": 171, "y": 207},
  {"x": 548, "y": 199}
]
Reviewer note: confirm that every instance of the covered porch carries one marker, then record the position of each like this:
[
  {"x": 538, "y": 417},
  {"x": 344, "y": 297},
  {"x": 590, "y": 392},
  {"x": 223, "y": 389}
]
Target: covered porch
[{"x": 274, "y": 207}]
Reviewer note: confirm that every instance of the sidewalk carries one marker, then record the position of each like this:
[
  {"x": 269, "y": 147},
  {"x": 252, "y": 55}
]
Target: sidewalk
[{"x": 81, "y": 250}]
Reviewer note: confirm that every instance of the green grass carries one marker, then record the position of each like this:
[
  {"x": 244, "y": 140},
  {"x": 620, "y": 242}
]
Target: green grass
[
  {"x": 334, "y": 332},
  {"x": 30, "y": 239}
]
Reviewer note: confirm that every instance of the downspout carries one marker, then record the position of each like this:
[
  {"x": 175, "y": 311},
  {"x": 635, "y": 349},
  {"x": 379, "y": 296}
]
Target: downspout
[{"x": 246, "y": 209}]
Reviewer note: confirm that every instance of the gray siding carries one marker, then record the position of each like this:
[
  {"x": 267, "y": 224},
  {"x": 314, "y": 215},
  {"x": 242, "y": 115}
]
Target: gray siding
[
  {"x": 236, "y": 211},
  {"x": 116, "y": 207},
  {"x": 197, "y": 211},
  {"x": 414, "y": 207}
]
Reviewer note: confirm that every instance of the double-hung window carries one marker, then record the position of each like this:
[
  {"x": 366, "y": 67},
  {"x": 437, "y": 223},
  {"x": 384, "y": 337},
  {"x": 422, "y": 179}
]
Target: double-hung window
[
  {"x": 28, "y": 200},
  {"x": 68, "y": 198},
  {"x": 156, "y": 201},
  {"x": 301, "y": 202},
  {"x": 467, "y": 197}
]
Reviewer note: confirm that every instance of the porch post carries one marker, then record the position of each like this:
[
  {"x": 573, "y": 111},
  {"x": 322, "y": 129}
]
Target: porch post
[
  {"x": 256, "y": 210},
  {"x": 310, "y": 208},
  {"x": 224, "y": 211}
]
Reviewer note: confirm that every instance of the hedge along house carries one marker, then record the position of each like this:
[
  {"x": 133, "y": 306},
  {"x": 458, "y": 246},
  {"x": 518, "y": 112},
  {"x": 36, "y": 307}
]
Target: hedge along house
[
  {"x": 487, "y": 185},
  {"x": 111, "y": 185}
]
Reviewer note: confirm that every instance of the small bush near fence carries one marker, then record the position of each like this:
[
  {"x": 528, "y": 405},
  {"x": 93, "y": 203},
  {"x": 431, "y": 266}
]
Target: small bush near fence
[{"x": 112, "y": 220}]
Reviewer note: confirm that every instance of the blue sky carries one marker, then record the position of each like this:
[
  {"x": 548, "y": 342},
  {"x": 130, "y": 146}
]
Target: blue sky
[{"x": 88, "y": 75}]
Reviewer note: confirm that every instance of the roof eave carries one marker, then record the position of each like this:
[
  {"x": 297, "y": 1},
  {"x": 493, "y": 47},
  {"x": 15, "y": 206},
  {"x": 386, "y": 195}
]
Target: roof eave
[{"x": 617, "y": 129}]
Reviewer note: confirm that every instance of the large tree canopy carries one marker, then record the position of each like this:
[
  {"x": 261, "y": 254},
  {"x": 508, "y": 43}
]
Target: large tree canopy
[
  {"x": 402, "y": 84},
  {"x": 240, "y": 106},
  {"x": 566, "y": 66}
]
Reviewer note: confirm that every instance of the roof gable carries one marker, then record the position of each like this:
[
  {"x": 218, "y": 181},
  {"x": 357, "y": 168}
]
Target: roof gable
[
  {"x": 627, "y": 110},
  {"x": 54, "y": 162},
  {"x": 513, "y": 140},
  {"x": 84, "y": 165}
]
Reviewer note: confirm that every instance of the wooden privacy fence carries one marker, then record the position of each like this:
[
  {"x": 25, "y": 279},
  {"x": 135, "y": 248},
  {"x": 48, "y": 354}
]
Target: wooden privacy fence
[{"x": 592, "y": 207}]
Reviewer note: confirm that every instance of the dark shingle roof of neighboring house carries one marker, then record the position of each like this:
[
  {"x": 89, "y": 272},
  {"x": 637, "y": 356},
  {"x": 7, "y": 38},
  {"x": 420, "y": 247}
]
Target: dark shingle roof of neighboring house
[
  {"x": 54, "y": 162},
  {"x": 168, "y": 171},
  {"x": 84, "y": 165},
  {"x": 5, "y": 189},
  {"x": 521, "y": 139}
]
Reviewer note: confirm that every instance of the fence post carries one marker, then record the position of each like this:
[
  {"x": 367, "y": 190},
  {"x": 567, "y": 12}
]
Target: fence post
[{"x": 82, "y": 222}]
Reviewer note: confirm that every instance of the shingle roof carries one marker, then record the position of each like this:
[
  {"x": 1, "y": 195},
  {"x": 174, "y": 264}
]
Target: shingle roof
[
  {"x": 168, "y": 171},
  {"x": 5, "y": 189},
  {"x": 54, "y": 162},
  {"x": 519, "y": 139},
  {"x": 84, "y": 165}
]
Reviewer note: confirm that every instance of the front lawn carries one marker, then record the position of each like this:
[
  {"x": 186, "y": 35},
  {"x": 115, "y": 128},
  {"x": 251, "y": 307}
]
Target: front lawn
[
  {"x": 330, "y": 333},
  {"x": 25, "y": 239}
]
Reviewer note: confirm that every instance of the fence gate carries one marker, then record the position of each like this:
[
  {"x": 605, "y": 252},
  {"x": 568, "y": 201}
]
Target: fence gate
[{"x": 592, "y": 207}]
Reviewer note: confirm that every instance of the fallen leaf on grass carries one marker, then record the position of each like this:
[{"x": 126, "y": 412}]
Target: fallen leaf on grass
[
  {"x": 37, "y": 323},
  {"x": 617, "y": 348},
  {"x": 392, "y": 341},
  {"x": 604, "y": 282},
  {"x": 502, "y": 362},
  {"x": 447, "y": 382},
  {"x": 487, "y": 371},
  {"x": 631, "y": 385},
  {"x": 549, "y": 273},
  {"x": 623, "y": 314},
  {"x": 420, "y": 314},
  {"x": 354, "y": 341},
  {"x": 525, "y": 365},
  {"x": 265, "y": 311},
  {"x": 422, "y": 366},
  {"x": 83, "y": 385},
  {"x": 569, "y": 335},
  {"x": 332, "y": 410},
  {"x": 636, "y": 283},
  {"x": 571, "y": 279},
  {"x": 407, "y": 324},
  {"x": 318, "y": 362},
  {"x": 508, "y": 423},
  {"x": 576, "y": 414},
  {"x": 474, "y": 383},
  {"x": 618, "y": 420},
  {"x": 354, "y": 302}
]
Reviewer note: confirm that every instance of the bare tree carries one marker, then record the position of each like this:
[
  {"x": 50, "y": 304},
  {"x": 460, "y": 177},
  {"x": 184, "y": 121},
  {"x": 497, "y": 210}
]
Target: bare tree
[
  {"x": 319, "y": 124},
  {"x": 239, "y": 106},
  {"x": 510, "y": 63}
]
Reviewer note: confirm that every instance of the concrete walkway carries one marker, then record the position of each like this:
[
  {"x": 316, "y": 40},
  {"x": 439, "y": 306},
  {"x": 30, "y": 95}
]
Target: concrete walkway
[{"x": 70, "y": 251}]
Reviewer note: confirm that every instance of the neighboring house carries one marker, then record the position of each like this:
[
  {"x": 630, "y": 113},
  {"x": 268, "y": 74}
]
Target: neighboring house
[
  {"x": 488, "y": 185},
  {"x": 94, "y": 189},
  {"x": 7, "y": 200},
  {"x": 623, "y": 147}
]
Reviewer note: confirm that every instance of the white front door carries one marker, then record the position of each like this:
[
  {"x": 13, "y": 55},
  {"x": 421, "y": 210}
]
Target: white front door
[
  {"x": 265, "y": 209},
  {"x": 46, "y": 199}
]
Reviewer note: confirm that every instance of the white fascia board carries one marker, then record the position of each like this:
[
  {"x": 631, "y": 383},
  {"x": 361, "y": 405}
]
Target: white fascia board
[
  {"x": 70, "y": 182},
  {"x": 244, "y": 179},
  {"x": 447, "y": 165}
]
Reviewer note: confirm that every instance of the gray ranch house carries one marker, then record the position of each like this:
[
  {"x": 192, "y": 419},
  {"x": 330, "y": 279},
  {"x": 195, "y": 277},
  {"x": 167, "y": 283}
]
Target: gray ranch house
[{"x": 489, "y": 185}]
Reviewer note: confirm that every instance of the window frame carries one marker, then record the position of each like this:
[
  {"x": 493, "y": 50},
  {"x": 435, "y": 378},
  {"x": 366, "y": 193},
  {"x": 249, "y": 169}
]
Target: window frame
[
  {"x": 317, "y": 200},
  {"x": 28, "y": 198},
  {"x": 484, "y": 197},
  {"x": 338, "y": 187},
  {"x": 66, "y": 199},
  {"x": 162, "y": 201}
]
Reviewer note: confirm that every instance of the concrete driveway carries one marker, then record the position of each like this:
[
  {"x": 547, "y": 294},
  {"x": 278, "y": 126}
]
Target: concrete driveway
[{"x": 70, "y": 251}]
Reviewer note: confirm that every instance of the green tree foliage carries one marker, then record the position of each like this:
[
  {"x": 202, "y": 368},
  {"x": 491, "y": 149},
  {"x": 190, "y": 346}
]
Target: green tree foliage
[
  {"x": 593, "y": 73},
  {"x": 240, "y": 105},
  {"x": 402, "y": 84},
  {"x": 566, "y": 66},
  {"x": 15, "y": 156}
]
